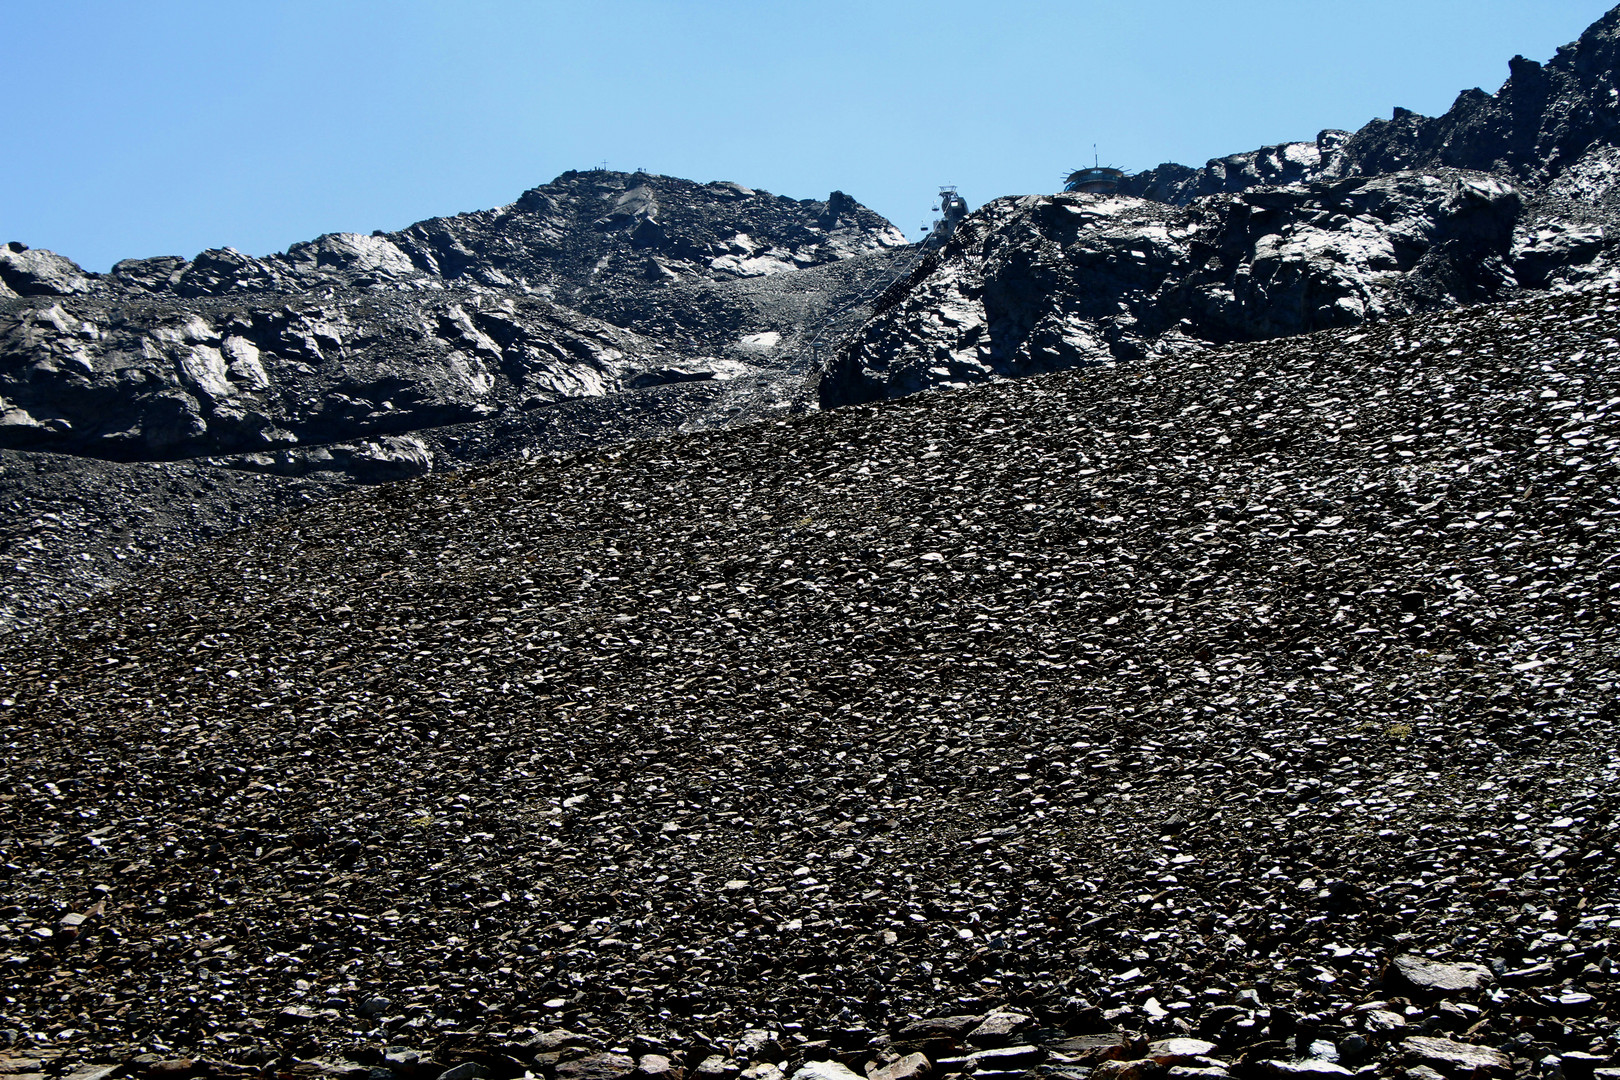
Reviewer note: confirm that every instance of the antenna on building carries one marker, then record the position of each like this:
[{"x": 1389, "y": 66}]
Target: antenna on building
[{"x": 1100, "y": 179}]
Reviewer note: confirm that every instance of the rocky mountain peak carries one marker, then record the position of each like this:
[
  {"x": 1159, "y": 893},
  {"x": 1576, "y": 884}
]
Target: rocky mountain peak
[
  {"x": 1508, "y": 191},
  {"x": 582, "y": 231},
  {"x": 1541, "y": 121},
  {"x": 595, "y": 283},
  {"x": 26, "y": 271}
]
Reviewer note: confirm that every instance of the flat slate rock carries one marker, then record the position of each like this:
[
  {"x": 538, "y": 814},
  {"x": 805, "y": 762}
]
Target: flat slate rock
[
  {"x": 1435, "y": 977},
  {"x": 1308, "y": 1067},
  {"x": 824, "y": 1070},
  {"x": 596, "y": 1067},
  {"x": 1450, "y": 1056},
  {"x": 910, "y": 1067},
  {"x": 1179, "y": 1051},
  {"x": 1091, "y": 1049}
]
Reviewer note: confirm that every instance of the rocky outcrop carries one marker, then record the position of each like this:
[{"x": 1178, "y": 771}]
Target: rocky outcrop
[
  {"x": 164, "y": 381},
  {"x": 27, "y": 272},
  {"x": 580, "y": 235},
  {"x": 1285, "y": 163},
  {"x": 1516, "y": 190},
  {"x": 1043, "y": 283},
  {"x": 452, "y": 320},
  {"x": 1543, "y": 121}
]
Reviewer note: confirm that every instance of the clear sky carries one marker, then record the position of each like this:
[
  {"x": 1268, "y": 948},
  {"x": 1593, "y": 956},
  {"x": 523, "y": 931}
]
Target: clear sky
[{"x": 170, "y": 126}]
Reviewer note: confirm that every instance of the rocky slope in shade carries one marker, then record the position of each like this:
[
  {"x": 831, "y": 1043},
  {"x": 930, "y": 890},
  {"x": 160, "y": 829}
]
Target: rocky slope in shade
[
  {"x": 73, "y": 526},
  {"x": 1172, "y": 698},
  {"x": 1542, "y": 121},
  {"x": 1041, "y": 283},
  {"x": 79, "y": 525}
]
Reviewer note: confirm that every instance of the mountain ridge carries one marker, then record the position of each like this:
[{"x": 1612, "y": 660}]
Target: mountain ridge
[
  {"x": 1535, "y": 127},
  {"x": 1283, "y": 240}
]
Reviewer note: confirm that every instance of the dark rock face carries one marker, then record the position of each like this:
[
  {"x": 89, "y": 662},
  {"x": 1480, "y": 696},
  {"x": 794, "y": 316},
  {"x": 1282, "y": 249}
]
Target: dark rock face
[
  {"x": 1516, "y": 190},
  {"x": 449, "y": 321},
  {"x": 1043, "y": 283},
  {"x": 163, "y": 381},
  {"x": 26, "y": 272}
]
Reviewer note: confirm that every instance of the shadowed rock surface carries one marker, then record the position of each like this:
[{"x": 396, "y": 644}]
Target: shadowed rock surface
[{"x": 1172, "y": 700}]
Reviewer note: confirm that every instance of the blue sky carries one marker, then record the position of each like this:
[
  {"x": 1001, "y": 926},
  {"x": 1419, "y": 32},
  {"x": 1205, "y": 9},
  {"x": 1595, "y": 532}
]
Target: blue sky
[{"x": 167, "y": 127}]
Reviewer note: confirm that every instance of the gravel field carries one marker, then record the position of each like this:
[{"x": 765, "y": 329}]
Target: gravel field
[{"x": 1264, "y": 699}]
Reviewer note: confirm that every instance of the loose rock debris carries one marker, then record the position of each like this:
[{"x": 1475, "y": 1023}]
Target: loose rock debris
[
  {"x": 1254, "y": 702},
  {"x": 599, "y": 307}
]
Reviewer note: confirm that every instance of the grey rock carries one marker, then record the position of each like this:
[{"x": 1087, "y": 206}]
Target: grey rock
[
  {"x": 759, "y": 1045},
  {"x": 1179, "y": 1051},
  {"x": 92, "y": 1072},
  {"x": 998, "y": 1029},
  {"x": 1448, "y": 1055},
  {"x": 716, "y": 1067},
  {"x": 1043, "y": 283},
  {"x": 35, "y": 272},
  {"x": 1382, "y": 1021},
  {"x": 561, "y": 1039},
  {"x": 1306, "y": 1067},
  {"x": 953, "y": 1026},
  {"x": 401, "y": 1058},
  {"x": 596, "y": 1067},
  {"x": 909, "y": 1067},
  {"x": 1091, "y": 1049},
  {"x": 1006, "y": 1057},
  {"x": 658, "y": 1067},
  {"x": 1120, "y": 1069},
  {"x": 824, "y": 1070},
  {"x": 1433, "y": 977}
]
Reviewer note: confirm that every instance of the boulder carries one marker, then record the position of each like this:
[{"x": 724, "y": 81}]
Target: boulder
[
  {"x": 1434, "y": 977},
  {"x": 35, "y": 272},
  {"x": 1455, "y": 1058},
  {"x": 596, "y": 1067},
  {"x": 824, "y": 1070},
  {"x": 1179, "y": 1051}
]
